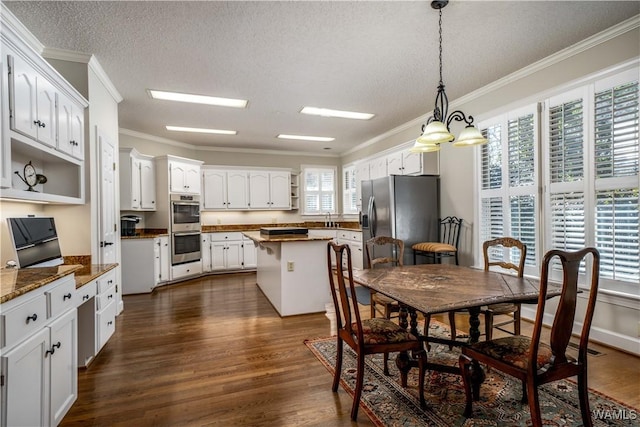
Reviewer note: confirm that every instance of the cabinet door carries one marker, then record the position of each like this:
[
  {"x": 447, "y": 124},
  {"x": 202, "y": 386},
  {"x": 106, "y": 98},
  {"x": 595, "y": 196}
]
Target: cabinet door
[
  {"x": 218, "y": 255},
  {"x": 411, "y": 163},
  {"x": 237, "y": 190},
  {"x": 249, "y": 254},
  {"x": 46, "y": 111},
  {"x": 65, "y": 120},
  {"x": 234, "y": 255},
  {"x": 215, "y": 189},
  {"x": 64, "y": 365},
  {"x": 156, "y": 261},
  {"x": 147, "y": 184},
  {"x": 22, "y": 96},
  {"x": 378, "y": 168},
  {"x": 205, "y": 249},
  {"x": 280, "y": 190},
  {"x": 165, "y": 259},
  {"x": 394, "y": 164},
  {"x": 177, "y": 175},
  {"x": 192, "y": 179},
  {"x": 362, "y": 174},
  {"x": 259, "y": 190},
  {"x": 77, "y": 132},
  {"x": 135, "y": 183},
  {"x": 26, "y": 390}
]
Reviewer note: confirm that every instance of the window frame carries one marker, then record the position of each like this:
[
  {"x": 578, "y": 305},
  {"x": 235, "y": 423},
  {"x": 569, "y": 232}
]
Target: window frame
[{"x": 303, "y": 185}]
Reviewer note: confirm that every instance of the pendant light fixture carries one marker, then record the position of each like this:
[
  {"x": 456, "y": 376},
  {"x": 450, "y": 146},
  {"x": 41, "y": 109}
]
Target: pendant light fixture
[{"x": 437, "y": 128}]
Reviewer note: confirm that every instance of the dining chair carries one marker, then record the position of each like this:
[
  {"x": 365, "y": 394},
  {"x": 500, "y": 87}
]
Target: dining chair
[
  {"x": 532, "y": 360},
  {"x": 369, "y": 336},
  {"x": 380, "y": 303},
  {"x": 489, "y": 248},
  {"x": 449, "y": 235}
]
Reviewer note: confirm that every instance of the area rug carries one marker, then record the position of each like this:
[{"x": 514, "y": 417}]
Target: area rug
[{"x": 388, "y": 404}]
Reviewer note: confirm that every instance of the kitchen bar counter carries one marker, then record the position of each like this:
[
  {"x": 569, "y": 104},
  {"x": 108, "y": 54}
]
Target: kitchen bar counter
[
  {"x": 344, "y": 225},
  {"x": 292, "y": 272}
]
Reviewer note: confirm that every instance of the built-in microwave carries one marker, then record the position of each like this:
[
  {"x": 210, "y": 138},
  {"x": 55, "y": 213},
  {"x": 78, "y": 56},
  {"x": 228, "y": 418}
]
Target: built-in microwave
[{"x": 185, "y": 213}]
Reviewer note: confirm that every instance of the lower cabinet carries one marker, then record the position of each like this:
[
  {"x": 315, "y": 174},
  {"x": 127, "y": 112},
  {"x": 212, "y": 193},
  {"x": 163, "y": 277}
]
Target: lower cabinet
[
  {"x": 40, "y": 373},
  {"x": 354, "y": 240},
  {"x": 145, "y": 264},
  {"x": 227, "y": 251}
]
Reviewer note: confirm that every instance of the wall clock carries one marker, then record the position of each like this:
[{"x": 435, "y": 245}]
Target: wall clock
[{"x": 31, "y": 177}]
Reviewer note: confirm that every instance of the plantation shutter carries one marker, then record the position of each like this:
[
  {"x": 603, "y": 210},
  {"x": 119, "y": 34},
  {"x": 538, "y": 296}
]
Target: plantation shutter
[
  {"x": 616, "y": 169},
  {"x": 319, "y": 191}
]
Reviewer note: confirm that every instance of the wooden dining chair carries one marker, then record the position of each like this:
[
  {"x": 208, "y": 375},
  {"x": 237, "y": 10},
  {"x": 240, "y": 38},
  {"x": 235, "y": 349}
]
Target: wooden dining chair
[
  {"x": 531, "y": 360},
  {"x": 513, "y": 309},
  {"x": 369, "y": 336},
  {"x": 380, "y": 303},
  {"x": 449, "y": 235}
]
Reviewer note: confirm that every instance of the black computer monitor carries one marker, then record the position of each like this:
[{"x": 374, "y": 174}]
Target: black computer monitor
[{"x": 35, "y": 241}]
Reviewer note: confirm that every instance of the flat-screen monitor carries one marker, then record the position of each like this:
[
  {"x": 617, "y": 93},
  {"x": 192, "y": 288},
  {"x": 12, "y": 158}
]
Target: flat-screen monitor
[{"x": 36, "y": 241}]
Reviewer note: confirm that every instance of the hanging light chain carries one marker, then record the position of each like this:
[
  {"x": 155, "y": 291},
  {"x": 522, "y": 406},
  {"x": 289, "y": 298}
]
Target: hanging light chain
[{"x": 440, "y": 41}]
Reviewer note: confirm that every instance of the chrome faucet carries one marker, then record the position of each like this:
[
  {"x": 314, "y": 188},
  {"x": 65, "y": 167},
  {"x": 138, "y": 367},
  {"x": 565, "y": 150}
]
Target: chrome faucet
[{"x": 327, "y": 220}]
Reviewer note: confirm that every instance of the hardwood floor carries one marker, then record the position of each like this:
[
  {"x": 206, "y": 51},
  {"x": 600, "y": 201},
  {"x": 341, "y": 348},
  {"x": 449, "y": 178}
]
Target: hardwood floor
[{"x": 214, "y": 352}]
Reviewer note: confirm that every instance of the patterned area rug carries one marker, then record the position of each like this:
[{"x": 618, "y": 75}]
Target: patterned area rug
[{"x": 388, "y": 404}]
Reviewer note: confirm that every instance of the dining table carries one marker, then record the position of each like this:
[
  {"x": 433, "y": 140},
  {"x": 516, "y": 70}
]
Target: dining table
[{"x": 439, "y": 288}]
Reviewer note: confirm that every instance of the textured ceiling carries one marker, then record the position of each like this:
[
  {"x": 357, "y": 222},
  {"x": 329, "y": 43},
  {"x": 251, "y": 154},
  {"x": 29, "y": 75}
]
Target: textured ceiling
[{"x": 378, "y": 57}]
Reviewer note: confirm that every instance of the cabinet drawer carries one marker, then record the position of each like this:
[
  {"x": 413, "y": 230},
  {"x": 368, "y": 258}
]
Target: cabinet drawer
[
  {"x": 106, "y": 297},
  {"x": 106, "y": 324},
  {"x": 222, "y": 237},
  {"x": 85, "y": 293},
  {"x": 106, "y": 281},
  {"x": 185, "y": 270},
  {"x": 23, "y": 320},
  {"x": 352, "y": 236},
  {"x": 61, "y": 298}
]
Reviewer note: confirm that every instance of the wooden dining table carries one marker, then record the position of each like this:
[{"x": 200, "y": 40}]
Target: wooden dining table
[{"x": 440, "y": 288}]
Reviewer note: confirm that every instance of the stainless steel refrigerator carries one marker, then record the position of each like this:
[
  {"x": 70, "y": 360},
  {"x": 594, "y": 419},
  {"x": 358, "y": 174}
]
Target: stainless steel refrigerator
[{"x": 403, "y": 207}]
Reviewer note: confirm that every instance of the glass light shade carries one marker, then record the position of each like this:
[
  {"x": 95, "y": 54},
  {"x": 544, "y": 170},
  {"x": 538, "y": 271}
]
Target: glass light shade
[
  {"x": 420, "y": 147},
  {"x": 435, "y": 133},
  {"x": 470, "y": 136}
]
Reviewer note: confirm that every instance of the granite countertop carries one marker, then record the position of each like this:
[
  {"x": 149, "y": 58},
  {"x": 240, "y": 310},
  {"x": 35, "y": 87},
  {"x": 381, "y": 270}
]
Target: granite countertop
[
  {"x": 346, "y": 225},
  {"x": 262, "y": 238},
  {"x": 147, "y": 233},
  {"x": 19, "y": 281}
]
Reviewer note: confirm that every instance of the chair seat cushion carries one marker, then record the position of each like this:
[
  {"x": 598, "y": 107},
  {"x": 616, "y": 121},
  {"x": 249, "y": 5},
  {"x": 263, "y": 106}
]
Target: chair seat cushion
[
  {"x": 383, "y": 331},
  {"x": 433, "y": 247},
  {"x": 382, "y": 299},
  {"x": 513, "y": 350},
  {"x": 502, "y": 308}
]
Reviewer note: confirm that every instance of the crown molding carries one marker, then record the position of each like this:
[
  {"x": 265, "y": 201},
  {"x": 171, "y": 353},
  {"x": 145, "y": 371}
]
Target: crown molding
[
  {"x": 586, "y": 44},
  {"x": 10, "y": 21},
  {"x": 96, "y": 67},
  {"x": 167, "y": 141}
]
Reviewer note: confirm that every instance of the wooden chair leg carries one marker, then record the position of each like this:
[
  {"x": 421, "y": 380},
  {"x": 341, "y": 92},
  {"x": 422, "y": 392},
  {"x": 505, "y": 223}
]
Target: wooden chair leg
[
  {"x": 516, "y": 320},
  {"x": 583, "y": 394},
  {"x": 372, "y": 304},
  {"x": 338, "y": 370},
  {"x": 452, "y": 323},
  {"x": 488, "y": 325},
  {"x": 422, "y": 367},
  {"x": 465, "y": 364},
  {"x": 358, "y": 390},
  {"x": 534, "y": 403}
]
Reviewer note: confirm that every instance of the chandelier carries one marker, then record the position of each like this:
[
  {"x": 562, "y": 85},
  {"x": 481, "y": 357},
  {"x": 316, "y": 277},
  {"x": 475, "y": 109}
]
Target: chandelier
[{"x": 437, "y": 128}]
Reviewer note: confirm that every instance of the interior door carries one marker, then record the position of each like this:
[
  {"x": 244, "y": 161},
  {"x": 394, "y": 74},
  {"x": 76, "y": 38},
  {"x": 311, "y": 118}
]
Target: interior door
[{"x": 107, "y": 223}]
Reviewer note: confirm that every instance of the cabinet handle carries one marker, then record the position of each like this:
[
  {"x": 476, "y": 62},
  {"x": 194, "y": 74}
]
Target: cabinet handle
[
  {"x": 39, "y": 123},
  {"x": 110, "y": 281},
  {"x": 85, "y": 297},
  {"x": 66, "y": 297},
  {"x": 110, "y": 296},
  {"x": 110, "y": 322},
  {"x": 53, "y": 349},
  {"x": 34, "y": 317}
]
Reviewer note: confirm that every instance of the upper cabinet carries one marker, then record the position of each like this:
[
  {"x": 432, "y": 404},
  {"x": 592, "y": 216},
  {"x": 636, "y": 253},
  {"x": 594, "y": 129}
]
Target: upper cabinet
[
  {"x": 137, "y": 181},
  {"x": 184, "y": 176},
  {"x": 404, "y": 163},
  {"x": 43, "y": 123},
  {"x": 236, "y": 188}
]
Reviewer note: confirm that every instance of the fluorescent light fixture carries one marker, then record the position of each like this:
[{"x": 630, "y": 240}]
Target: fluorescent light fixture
[
  {"x": 202, "y": 130},
  {"x": 326, "y": 112},
  {"x": 306, "y": 138},
  {"x": 197, "y": 99}
]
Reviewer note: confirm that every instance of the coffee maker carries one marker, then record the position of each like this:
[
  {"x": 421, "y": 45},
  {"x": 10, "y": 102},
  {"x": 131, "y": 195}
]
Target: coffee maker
[{"x": 128, "y": 225}]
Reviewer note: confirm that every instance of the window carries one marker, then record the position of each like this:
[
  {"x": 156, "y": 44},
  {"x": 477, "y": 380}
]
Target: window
[
  {"x": 586, "y": 191},
  {"x": 319, "y": 190},
  {"x": 349, "y": 194}
]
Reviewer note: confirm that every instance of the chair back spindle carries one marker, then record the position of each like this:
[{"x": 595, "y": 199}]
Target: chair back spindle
[{"x": 344, "y": 300}]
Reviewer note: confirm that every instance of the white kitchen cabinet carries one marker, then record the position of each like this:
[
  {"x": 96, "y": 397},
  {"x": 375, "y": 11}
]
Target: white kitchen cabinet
[
  {"x": 404, "y": 162},
  {"x": 378, "y": 167},
  {"x": 362, "y": 174},
  {"x": 205, "y": 252},
  {"x": 185, "y": 270},
  {"x": 106, "y": 306},
  {"x": 249, "y": 253},
  {"x": 225, "y": 189},
  {"x": 39, "y": 367},
  {"x": 145, "y": 264},
  {"x": 227, "y": 251},
  {"x": 70, "y": 127},
  {"x": 164, "y": 252},
  {"x": 34, "y": 103},
  {"x": 184, "y": 176},
  {"x": 354, "y": 240},
  {"x": 137, "y": 181},
  {"x": 270, "y": 190}
]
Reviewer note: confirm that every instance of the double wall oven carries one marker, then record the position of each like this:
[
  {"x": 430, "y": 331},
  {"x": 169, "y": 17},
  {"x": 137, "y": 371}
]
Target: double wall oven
[{"x": 185, "y": 228}]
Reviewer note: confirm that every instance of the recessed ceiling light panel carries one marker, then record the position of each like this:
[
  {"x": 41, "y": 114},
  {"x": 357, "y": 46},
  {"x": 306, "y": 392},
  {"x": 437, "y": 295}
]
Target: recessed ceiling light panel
[
  {"x": 201, "y": 130},
  {"x": 327, "y": 112},
  {"x": 198, "y": 99},
  {"x": 306, "y": 138}
]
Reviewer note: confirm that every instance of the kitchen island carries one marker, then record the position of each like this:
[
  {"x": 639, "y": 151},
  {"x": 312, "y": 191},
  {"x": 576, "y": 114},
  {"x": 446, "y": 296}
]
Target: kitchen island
[{"x": 292, "y": 271}]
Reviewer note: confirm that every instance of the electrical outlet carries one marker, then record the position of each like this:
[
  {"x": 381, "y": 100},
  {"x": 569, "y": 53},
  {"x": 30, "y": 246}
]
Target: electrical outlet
[
  {"x": 219, "y": 221},
  {"x": 289, "y": 265},
  {"x": 274, "y": 220}
]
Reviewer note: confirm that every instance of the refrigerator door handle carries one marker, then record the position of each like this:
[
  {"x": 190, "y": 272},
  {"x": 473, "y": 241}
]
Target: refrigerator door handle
[{"x": 373, "y": 216}]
